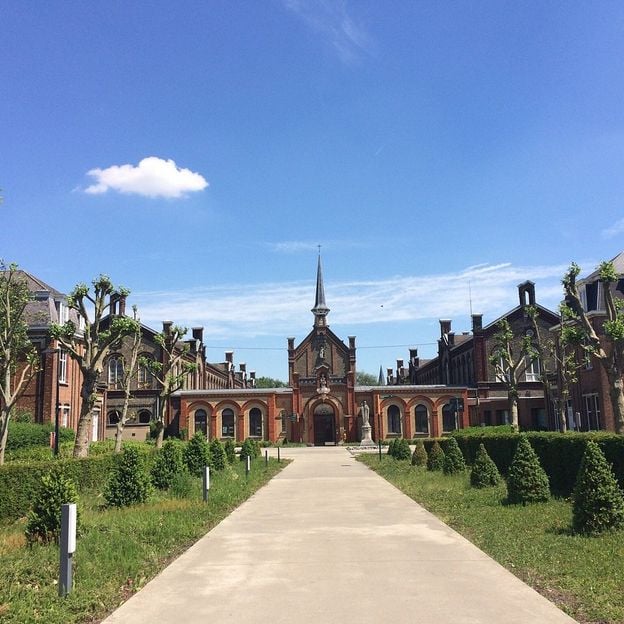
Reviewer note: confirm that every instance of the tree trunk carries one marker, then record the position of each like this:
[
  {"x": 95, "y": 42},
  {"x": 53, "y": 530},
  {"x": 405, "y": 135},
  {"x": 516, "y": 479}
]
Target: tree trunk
[
  {"x": 4, "y": 432},
  {"x": 616, "y": 392},
  {"x": 161, "y": 434},
  {"x": 513, "y": 405},
  {"x": 118, "y": 435},
  {"x": 88, "y": 395}
]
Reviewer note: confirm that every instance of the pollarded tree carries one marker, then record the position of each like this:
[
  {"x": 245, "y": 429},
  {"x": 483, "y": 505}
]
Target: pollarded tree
[
  {"x": 510, "y": 363},
  {"x": 90, "y": 344},
  {"x": 610, "y": 351},
  {"x": 169, "y": 373},
  {"x": 18, "y": 357}
]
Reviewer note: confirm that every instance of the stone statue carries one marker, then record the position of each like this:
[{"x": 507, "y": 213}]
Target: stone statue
[
  {"x": 322, "y": 352},
  {"x": 365, "y": 414}
]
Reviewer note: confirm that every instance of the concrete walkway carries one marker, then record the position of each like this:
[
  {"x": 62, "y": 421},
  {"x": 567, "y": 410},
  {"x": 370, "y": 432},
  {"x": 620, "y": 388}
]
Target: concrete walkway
[{"x": 329, "y": 541}]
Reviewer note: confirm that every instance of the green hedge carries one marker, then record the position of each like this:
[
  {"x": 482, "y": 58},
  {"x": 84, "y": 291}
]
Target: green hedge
[
  {"x": 559, "y": 454},
  {"x": 25, "y": 435}
]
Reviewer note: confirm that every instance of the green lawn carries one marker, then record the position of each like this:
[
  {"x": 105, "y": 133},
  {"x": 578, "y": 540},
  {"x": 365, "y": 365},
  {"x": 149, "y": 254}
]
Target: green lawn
[
  {"x": 583, "y": 576},
  {"x": 118, "y": 551}
]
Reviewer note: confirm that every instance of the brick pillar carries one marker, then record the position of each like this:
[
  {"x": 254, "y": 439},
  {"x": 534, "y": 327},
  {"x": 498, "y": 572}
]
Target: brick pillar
[
  {"x": 435, "y": 423},
  {"x": 407, "y": 419},
  {"x": 271, "y": 413}
]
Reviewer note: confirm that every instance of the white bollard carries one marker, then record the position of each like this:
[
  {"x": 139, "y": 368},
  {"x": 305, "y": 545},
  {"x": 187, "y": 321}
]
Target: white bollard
[
  {"x": 248, "y": 466},
  {"x": 68, "y": 548},
  {"x": 206, "y": 482}
]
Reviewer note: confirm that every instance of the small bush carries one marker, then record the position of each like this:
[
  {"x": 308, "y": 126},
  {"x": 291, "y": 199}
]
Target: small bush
[
  {"x": 182, "y": 484},
  {"x": 391, "y": 447},
  {"x": 419, "y": 456},
  {"x": 435, "y": 460},
  {"x": 453, "y": 458},
  {"x": 402, "y": 450},
  {"x": 484, "y": 472},
  {"x": 44, "y": 520},
  {"x": 230, "y": 450},
  {"x": 167, "y": 465},
  {"x": 217, "y": 455},
  {"x": 247, "y": 450},
  {"x": 129, "y": 483},
  {"x": 526, "y": 482},
  {"x": 598, "y": 504},
  {"x": 196, "y": 454}
]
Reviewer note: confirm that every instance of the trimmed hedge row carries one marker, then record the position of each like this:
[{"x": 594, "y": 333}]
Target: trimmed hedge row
[
  {"x": 20, "y": 481},
  {"x": 559, "y": 454},
  {"x": 24, "y": 435}
]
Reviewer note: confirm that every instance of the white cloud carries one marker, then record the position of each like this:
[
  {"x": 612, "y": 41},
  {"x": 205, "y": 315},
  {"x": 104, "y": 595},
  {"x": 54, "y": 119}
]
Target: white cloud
[
  {"x": 294, "y": 246},
  {"x": 281, "y": 309},
  {"x": 331, "y": 20},
  {"x": 152, "y": 177},
  {"x": 614, "y": 230}
]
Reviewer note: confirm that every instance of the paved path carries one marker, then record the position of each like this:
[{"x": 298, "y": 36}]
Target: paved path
[{"x": 328, "y": 541}]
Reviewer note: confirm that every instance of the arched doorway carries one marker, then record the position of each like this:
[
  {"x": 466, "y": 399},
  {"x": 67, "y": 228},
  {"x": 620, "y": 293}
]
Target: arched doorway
[{"x": 324, "y": 424}]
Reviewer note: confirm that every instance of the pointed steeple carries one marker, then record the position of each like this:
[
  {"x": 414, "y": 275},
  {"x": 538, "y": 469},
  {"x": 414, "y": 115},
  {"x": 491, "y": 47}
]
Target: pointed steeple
[
  {"x": 320, "y": 309},
  {"x": 382, "y": 380}
]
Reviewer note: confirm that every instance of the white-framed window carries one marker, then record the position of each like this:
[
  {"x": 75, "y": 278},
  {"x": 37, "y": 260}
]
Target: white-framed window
[
  {"x": 592, "y": 411},
  {"x": 64, "y": 415},
  {"x": 62, "y": 312},
  {"x": 502, "y": 370},
  {"x": 62, "y": 366},
  {"x": 115, "y": 372},
  {"x": 532, "y": 371}
]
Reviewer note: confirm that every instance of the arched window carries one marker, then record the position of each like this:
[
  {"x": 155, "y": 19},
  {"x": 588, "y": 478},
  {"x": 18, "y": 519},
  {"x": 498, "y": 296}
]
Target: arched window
[
  {"x": 144, "y": 376},
  {"x": 394, "y": 420},
  {"x": 144, "y": 417},
  {"x": 201, "y": 421},
  {"x": 255, "y": 422},
  {"x": 422, "y": 419},
  {"x": 448, "y": 418},
  {"x": 227, "y": 423},
  {"x": 115, "y": 372},
  {"x": 113, "y": 417}
]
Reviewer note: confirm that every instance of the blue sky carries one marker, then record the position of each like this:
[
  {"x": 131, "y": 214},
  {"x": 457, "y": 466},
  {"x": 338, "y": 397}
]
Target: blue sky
[{"x": 198, "y": 152}]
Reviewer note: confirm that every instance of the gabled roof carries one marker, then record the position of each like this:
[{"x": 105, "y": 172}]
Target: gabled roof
[{"x": 618, "y": 264}]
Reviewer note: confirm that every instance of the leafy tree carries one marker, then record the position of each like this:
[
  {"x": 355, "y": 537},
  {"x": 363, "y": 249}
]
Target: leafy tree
[
  {"x": 435, "y": 460},
  {"x": 526, "y": 481},
  {"x": 610, "y": 351},
  {"x": 129, "y": 372},
  {"x": 453, "y": 458},
  {"x": 366, "y": 379},
  {"x": 129, "y": 483},
  {"x": 167, "y": 465},
  {"x": 419, "y": 456},
  {"x": 484, "y": 472},
  {"x": 270, "y": 382},
  {"x": 598, "y": 504},
  {"x": 509, "y": 366},
  {"x": 18, "y": 357},
  {"x": 217, "y": 455},
  {"x": 197, "y": 454},
  {"x": 89, "y": 346},
  {"x": 170, "y": 373},
  {"x": 44, "y": 520}
]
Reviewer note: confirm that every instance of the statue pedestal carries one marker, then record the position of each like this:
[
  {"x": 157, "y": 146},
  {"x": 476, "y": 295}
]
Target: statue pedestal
[{"x": 366, "y": 436}]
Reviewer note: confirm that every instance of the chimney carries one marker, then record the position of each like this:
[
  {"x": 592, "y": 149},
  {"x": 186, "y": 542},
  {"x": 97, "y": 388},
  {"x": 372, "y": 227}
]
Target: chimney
[
  {"x": 477, "y": 322},
  {"x": 291, "y": 343},
  {"x": 445, "y": 326},
  {"x": 122, "y": 305},
  {"x": 399, "y": 364},
  {"x": 351, "y": 342},
  {"x": 252, "y": 379},
  {"x": 413, "y": 353},
  {"x": 167, "y": 327},
  {"x": 243, "y": 367},
  {"x": 389, "y": 376},
  {"x": 229, "y": 357},
  {"x": 113, "y": 304},
  {"x": 451, "y": 338},
  {"x": 526, "y": 293},
  {"x": 198, "y": 333}
]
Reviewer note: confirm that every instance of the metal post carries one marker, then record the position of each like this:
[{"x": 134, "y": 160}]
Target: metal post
[
  {"x": 266, "y": 458},
  {"x": 278, "y": 455},
  {"x": 206, "y": 482},
  {"x": 379, "y": 434},
  {"x": 247, "y": 466},
  {"x": 67, "y": 547}
]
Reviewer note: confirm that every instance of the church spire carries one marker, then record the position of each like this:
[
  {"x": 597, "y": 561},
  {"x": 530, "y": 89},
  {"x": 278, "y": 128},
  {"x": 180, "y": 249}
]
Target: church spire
[{"x": 320, "y": 309}]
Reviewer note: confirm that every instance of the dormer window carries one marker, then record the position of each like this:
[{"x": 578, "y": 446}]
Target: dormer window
[{"x": 62, "y": 312}]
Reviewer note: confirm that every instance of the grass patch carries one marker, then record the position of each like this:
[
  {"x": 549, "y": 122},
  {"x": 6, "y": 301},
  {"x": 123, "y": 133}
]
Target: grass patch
[
  {"x": 118, "y": 550},
  {"x": 583, "y": 576}
]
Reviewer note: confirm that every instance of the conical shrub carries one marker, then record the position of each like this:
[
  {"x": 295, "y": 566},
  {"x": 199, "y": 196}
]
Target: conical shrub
[
  {"x": 44, "y": 520},
  {"x": 247, "y": 450},
  {"x": 419, "y": 456},
  {"x": 453, "y": 458},
  {"x": 598, "y": 503},
  {"x": 197, "y": 454},
  {"x": 230, "y": 450},
  {"x": 218, "y": 459},
  {"x": 435, "y": 460},
  {"x": 168, "y": 464},
  {"x": 526, "y": 481},
  {"x": 402, "y": 449},
  {"x": 484, "y": 472},
  {"x": 129, "y": 484}
]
